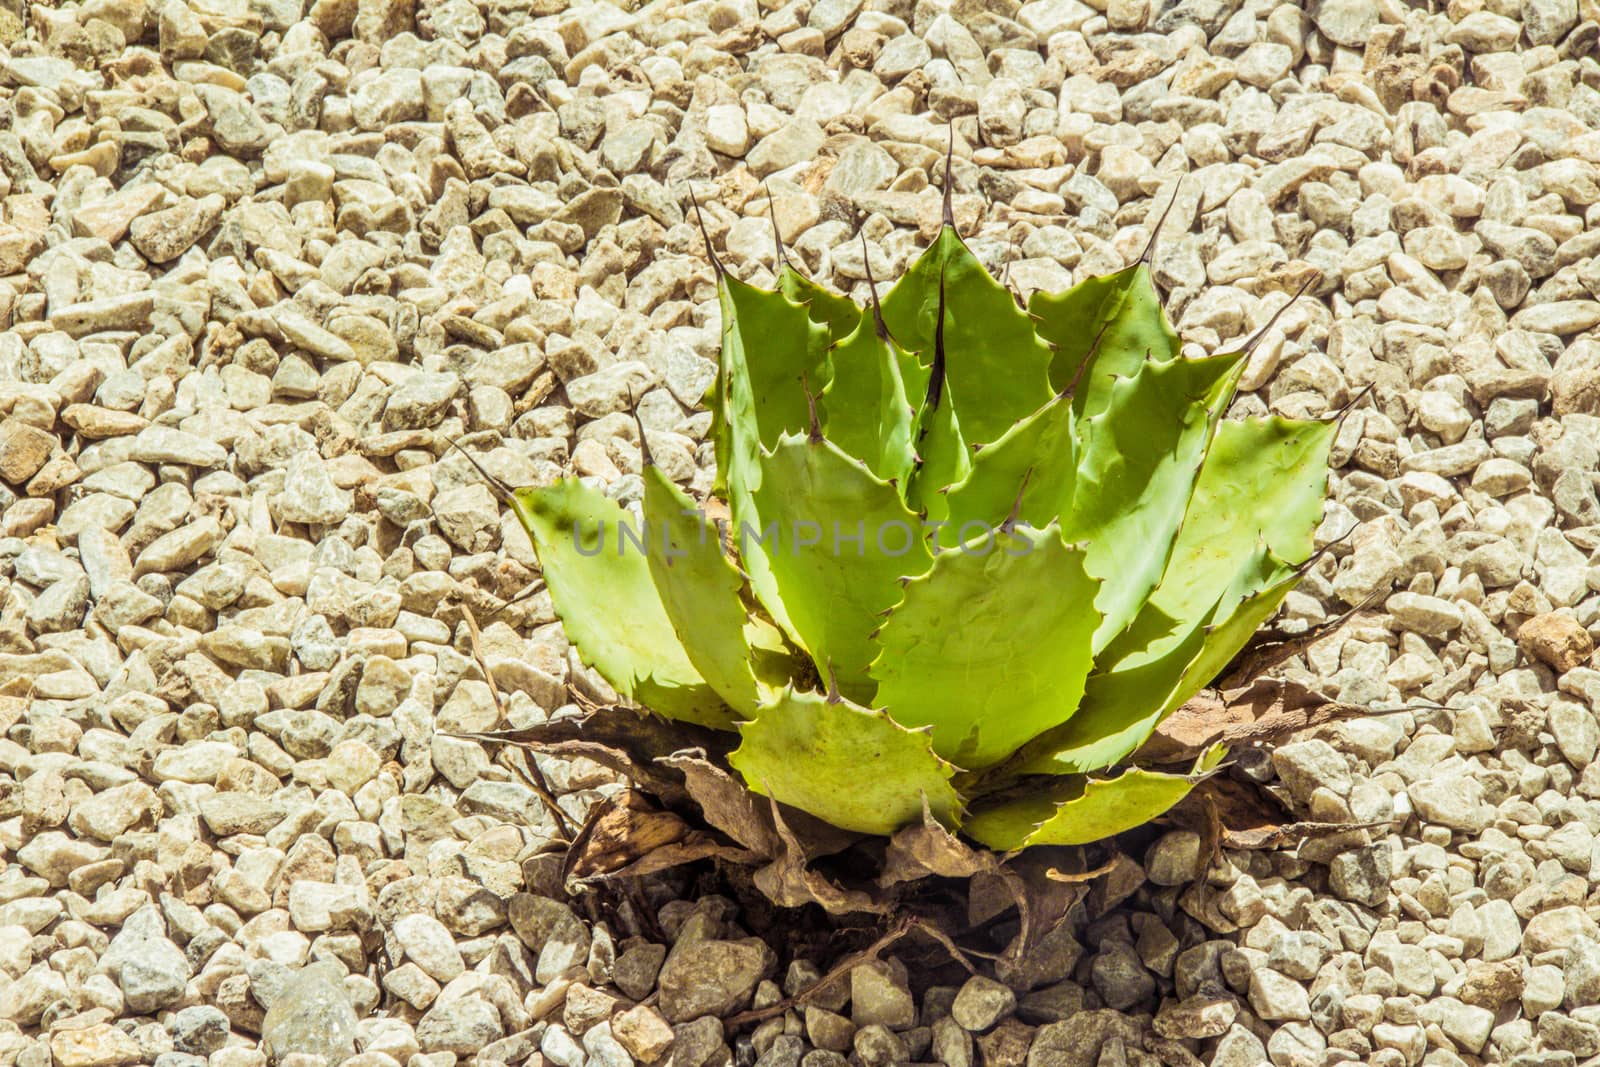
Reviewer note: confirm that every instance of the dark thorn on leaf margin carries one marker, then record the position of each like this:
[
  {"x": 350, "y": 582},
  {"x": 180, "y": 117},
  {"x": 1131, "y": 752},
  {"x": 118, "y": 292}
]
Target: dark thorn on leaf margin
[
  {"x": 780, "y": 259},
  {"x": 502, "y": 492},
  {"x": 705, "y": 234},
  {"x": 1149, "y": 254}
]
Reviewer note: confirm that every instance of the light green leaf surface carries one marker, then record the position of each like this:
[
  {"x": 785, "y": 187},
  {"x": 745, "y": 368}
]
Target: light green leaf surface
[
  {"x": 1256, "y": 504},
  {"x": 1076, "y": 810},
  {"x": 1262, "y": 479},
  {"x": 1114, "y": 323},
  {"x": 945, "y": 460},
  {"x": 998, "y": 369},
  {"x": 1040, "y": 452},
  {"x": 864, "y": 541},
  {"x": 771, "y": 352},
  {"x": 1140, "y": 459},
  {"x": 856, "y": 768},
  {"x": 991, "y": 646},
  {"x": 774, "y": 345},
  {"x": 1120, "y": 480},
  {"x": 600, "y": 583},
  {"x": 864, "y": 409},
  {"x": 1140, "y": 681},
  {"x": 699, "y": 590},
  {"x": 838, "y": 314}
]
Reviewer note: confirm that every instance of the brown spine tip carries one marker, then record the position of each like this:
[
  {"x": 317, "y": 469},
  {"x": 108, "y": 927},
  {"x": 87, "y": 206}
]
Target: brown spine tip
[
  {"x": 1088, "y": 357},
  {"x": 1316, "y": 557},
  {"x": 949, "y": 180},
  {"x": 1257, "y": 337},
  {"x": 502, "y": 492},
  {"x": 644, "y": 443},
  {"x": 872, "y": 287},
  {"x": 1005, "y": 271},
  {"x": 780, "y": 260},
  {"x": 814, "y": 431},
  {"x": 716, "y": 264},
  {"x": 1149, "y": 254},
  {"x": 1010, "y": 525},
  {"x": 1350, "y": 405}
]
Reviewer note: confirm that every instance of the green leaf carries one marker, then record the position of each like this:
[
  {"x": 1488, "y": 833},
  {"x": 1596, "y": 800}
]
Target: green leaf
[
  {"x": 1257, "y": 502},
  {"x": 1148, "y": 674},
  {"x": 1118, "y": 481},
  {"x": 991, "y": 646},
  {"x": 863, "y": 542},
  {"x": 1140, "y": 459},
  {"x": 770, "y": 351},
  {"x": 856, "y": 768},
  {"x": 998, "y": 369},
  {"x": 773, "y": 661},
  {"x": 1262, "y": 479},
  {"x": 1114, "y": 324},
  {"x": 1041, "y": 451},
  {"x": 599, "y": 581},
  {"x": 945, "y": 460},
  {"x": 699, "y": 589},
  {"x": 838, "y": 313},
  {"x": 770, "y": 345},
  {"x": 1077, "y": 810},
  {"x": 864, "y": 409}
]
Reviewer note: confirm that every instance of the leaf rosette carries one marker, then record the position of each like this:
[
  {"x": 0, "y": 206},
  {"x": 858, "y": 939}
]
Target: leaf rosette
[{"x": 978, "y": 553}]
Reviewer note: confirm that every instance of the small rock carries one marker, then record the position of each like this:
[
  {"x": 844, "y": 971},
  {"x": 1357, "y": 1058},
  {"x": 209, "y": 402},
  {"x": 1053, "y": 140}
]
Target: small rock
[
  {"x": 881, "y": 995},
  {"x": 24, "y": 448},
  {"x": 101, "y": 1045},
  {"x": 712, "y": 977},
  {"x": 162, "y": 236},
  {"x": 1557, "y": 640},
  {"x": 981, "y": 1003},
  {"x": 1199, "y": 1016},
  {"x": 644, "y": 1032},
  {"x": 1276, "y": 998},
  {"x": 311, "y": 1014}
]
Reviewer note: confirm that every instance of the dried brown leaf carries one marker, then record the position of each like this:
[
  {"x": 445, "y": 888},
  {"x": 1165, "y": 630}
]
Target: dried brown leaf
[
  {"x": 929, "y": 849},
  {"x": 617, "y": 832},
  {"x": 693, "y": 848},
  {"x": 1262, "y": 712},
  {"x": 629, "y": 836},
  {"x": 623, "y": 740},
  {"x": 726, "y": 803},
  {"x": 790, "y": 881}
]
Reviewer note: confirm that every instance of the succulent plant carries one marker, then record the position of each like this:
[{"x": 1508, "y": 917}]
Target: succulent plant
[{"x": 977, "y": 553}]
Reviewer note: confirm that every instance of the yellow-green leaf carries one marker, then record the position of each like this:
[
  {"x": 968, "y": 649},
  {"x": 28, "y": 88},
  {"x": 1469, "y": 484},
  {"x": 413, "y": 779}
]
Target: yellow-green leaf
[
  {"x": 595, "y": 566},
  {"x": 854, "y": 767},
  {"x": 991, "y": 646}
]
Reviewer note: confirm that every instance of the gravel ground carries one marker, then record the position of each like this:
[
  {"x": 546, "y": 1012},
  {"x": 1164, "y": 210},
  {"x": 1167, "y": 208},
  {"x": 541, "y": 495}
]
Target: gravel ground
[{"x": 259, "y": 260}]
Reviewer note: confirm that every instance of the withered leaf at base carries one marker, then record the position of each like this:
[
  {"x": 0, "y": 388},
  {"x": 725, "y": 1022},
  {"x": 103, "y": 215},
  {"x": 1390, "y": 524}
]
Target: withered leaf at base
[
  {"x": 623, "y": 740},
  {"x": 790, "y": 881},
  {"x": 1244, "y": 817},
  {"x": 729, "y": 805},
  {"x": 1261, "y": 712},
  {"x": 628, "y": 836},
  {"x": 929, "y": 849}
]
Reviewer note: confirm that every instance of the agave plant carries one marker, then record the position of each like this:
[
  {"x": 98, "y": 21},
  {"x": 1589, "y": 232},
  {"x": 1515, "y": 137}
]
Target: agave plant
[{"x": 976, "y": 553}]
